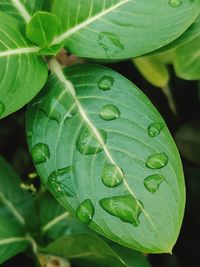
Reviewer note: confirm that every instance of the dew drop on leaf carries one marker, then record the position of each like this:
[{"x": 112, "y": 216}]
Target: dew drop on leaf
[
  {"x": 40, "y": 153},
  {"x": 87, "y": 143},
  {"x": 155, "y": 128},
  {"x": 175, "y": 3},
  {"x": 106, "y": 83},
  {"x": 152, "y": 182},
  {"x": 157, "y": 161},
  {"x": 85, "y": 211},
  {"x": 126, "y": 208},
  {"x": 2, "y": 108},
  {"x": 112, "y": 175},
  {"x": 61, "y": 183},
  {"x": 109, "y": 112},
  {"x": 110, "y": 43}
]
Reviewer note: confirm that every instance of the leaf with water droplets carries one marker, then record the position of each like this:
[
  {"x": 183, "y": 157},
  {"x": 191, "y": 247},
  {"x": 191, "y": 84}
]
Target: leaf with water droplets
[
  {"x": 111, "y": 158},
  {"x": 122, "y": 28}
]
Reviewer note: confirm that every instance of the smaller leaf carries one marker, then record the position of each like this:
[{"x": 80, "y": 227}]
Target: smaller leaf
[
  {"x": 85, "y": 249},
  {"x": 154, "y": 69},
  {"x": 187, "y": 60},
  {"x": 50, "y": 51},
  {"x": 12, "y": 238},
  {"x": 42, "y": 28},
  {"x": 188, "y": 142}
]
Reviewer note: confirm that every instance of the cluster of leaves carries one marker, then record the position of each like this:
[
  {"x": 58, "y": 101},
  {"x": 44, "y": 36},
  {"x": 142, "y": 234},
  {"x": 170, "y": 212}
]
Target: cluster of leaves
[
  {"x": 42, "y": 224},
  {"x": 98, "y": 144}
]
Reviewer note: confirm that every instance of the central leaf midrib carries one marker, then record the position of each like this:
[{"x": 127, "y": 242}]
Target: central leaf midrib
[
  {"x": 57, "y": 70},
  {"x": 87, "y": 22}
]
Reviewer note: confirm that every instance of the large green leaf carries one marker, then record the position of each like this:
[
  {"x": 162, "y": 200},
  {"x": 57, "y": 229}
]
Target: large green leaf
[
  {"x": 21, "y": 9},
  {"x": 191, "y": 33},
  {"x": 95, "y": 151},
  {"x": 15, "y": 202},
  {"x": 23, "y": 73},
  {"x": 12, "y": 238},
  {"x": 187, "y": 60},
  {"x": 121, "y": 28}
]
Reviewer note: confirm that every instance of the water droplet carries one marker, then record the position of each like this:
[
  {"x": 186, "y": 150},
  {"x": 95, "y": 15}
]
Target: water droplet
[
  {"x": 127, "y": 208},
  {"x": 152, "y": 182},
  {"x": 2, "y": 108},
  {"x": 112, "y": 175},
  {"x": 157, "y": 161},
  {"x": 85, "y": 211},
  {"x": 61, "y": 183},
  {"x": 29, "y": 134},
  {"x": 155, "y": 128},
  {"x": 175, "y": 3},
  {"x": 40, "y": 153},
  {"x": 106, "y": 83},
  {"x": 109, "y": 112},
  {"x": 87, "y": 143},
  {"x": 110, "y": 43}
]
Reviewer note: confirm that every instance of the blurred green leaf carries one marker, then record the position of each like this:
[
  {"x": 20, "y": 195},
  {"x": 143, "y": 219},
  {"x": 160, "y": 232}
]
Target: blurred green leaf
[{"x": 188, "y": 141}]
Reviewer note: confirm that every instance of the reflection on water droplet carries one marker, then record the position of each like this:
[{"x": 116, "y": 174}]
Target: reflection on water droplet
[
  {"x": 127, "y": 208},
  {"x": 112, "y": 175},
  {"x": 40, "y": 153},
  {"x": 152, "y": 182},
  {"x": 157, "y": 161},
  {"x": 106, "y": 83},
  {"x": 155, "y": 128},
  {"x": 61, "y": 183},
  {"x": 85, "y": 211},
  {"x": 109, "y": 112},
  {"x": 29, "y": 134},
  {"x": 87, "y": 143},
  {"x": 2, "y": 108},
  {"x": 110, "y": 43},
  {"x": 175, "y": 3}
]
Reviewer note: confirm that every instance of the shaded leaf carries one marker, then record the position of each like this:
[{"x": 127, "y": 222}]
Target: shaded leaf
[
  {"x": 15, "y": 202},
  {"x": 12, "y": 238},
  {"x": 188, "y": 142},
  {"x": 187, "y": 60}
]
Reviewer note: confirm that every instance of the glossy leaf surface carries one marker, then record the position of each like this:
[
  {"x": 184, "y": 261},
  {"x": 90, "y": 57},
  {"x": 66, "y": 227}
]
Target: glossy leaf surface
[{"x": 75, "y": 147}]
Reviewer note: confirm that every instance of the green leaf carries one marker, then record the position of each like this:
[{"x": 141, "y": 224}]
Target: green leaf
[
  {"x": 53, "y": 217},
  {"x": 131, "y": 257},
  {"x": 21, "y": 9},
  {"x": 12, "y": 238},
  {"x": 77, "y": 146},
  {"x": 85, "y": 249},
  {"x": 187, "y": 60},
  {"x": 42, "y": 28},
  {"x": 50, "y": 51},
  {"x": 191, "y": 33},
  {"x": 23, "y": 73},
  {"x": 15, "y": 202},
  {"x": 55, "y": 221},
  {"x": 154, "y": 69},
  {"x": 122, "y": 28},
  {"x": 187, "y": 139}
]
